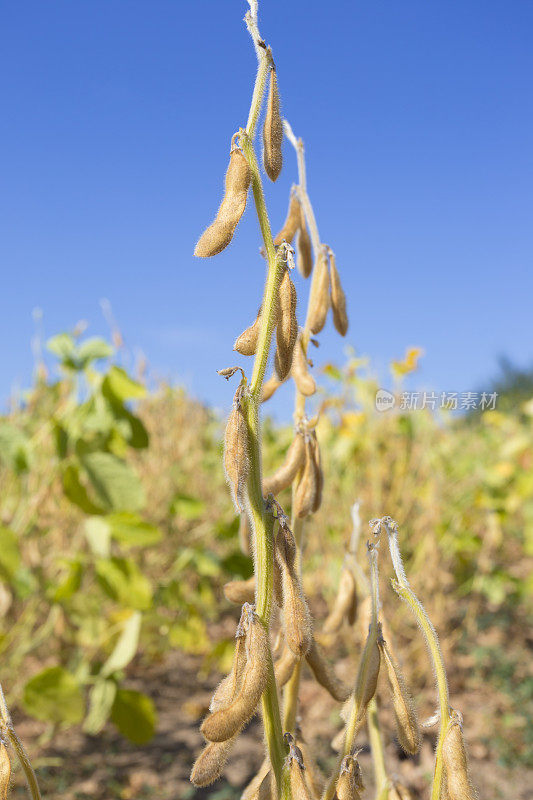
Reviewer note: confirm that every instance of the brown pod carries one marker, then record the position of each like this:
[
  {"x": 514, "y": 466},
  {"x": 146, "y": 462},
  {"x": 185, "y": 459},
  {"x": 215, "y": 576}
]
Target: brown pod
[
  {"x": 305, "y": 494},
  {"x": 304, "y": 254},
  {"x": 324, "y": 674},
  {"x": 246, "y": 343},
  {"x": 338, "y": 298},
  {"x": 220, "y": 233},
  {"x": 314, "y": 777},
  {"x": 250, "y": 792},
  {"x": 292, "y": 221},
  {"x": 228, "y": 688},
  {"x": 245, "y": 534},
  {"x": 240, "y": 592},
  {"x": 5, "y": 771},
  {"x": 456, "y": 778},
  {"x": 269, "y": 387},
  {"x": 284, "y": 666},
  {"x": 287, "y": 327},
  {"x": 398, "y": 792},
  {"x": 367, "y": 677},
  {"x": 319, "y": 300},
  {"x": 285, "y": 474},
  {"x": 236, "y": 452},
  {"x": 227, "y": 722},
  {"x": 319, "y": 473},
  {"x": 273, "y": 131},
  {"x": 343, "y": 602},
  {"x": 298, "y": 626},
  {"x": 349, "y": 781},
  {"x": 305, "y": 383},
  {"x": 294, "y": 765},
  {"x": 404, "y": 711},
  {"x": 210, "y": 763}
]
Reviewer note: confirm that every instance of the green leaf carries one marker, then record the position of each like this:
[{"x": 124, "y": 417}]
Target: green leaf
[
  {"x": 189, "y": 634},
  {"x": 70, "y": 584},
  {"x": 118, "y": 385},
  {"x": 14, "y": 447},
  {"x": 54, "y": 695},
  {"x": 9, "y": 553},
  {"x": 237, "y": 563},
  {"x": 126, "y": 646},
  {"x": 130, "y": 529},
  {"x": 117, "y": 486},
  {"x": 76, "y": 492},
  {"x": 101, "y": 699},
  {"x": 93, "y": 349},
  {"x": 98, "y": 535},
  {"x": 135, "y": 715},
  {"x": 122, "y": 580},
  {"x": 61, "y": 345},
  {"x": 187, "y": 507}
]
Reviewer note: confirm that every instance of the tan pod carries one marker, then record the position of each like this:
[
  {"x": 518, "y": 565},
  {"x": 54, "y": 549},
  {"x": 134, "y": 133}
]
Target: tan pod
[
  {"x": 324, "y": 674},
  {"x": 285, "y": 474},
  {"x": 246, "y": 343},
  {"x": 305, "y": 494},
  {"x": 292, "y": 221},
  {"x": 343, "y": 602},
  {"x": 236, "y": 452},
  {"x": 287, "y": 327},
  {"x": 319, "y": 301},
  {"x": 338, "y": 298},
  {"x": 240, "y": 592},
  {"x": 304, "y": 254},
  {"x": 404, "y": 711},
  {"x": 210, "y": 763},
  {"x": 273, "y": 131},
  {"x": 269, "y": 387},
  {"x": 305, "y": 383},
  {"x": 456, "y": 778},
  {"x": 298, "y": 626}
]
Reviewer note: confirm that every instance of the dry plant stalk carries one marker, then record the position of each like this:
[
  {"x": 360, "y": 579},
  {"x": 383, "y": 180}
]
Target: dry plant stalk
[{"x": 276, "y": 542}]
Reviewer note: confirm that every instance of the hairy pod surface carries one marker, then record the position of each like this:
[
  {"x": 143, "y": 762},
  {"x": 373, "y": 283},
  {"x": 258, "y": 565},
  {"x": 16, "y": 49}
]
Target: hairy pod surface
[
  {"x": 269, "y": 387},
  {"x": 220, "y": 233},
  {"x": 324, "y": 674},
  {"x": 319, "y": 301},
  {"x": 210, "y": 763},
  {"x": 228, "y": 688},
  {"x": 398, "y": 792},
  {"x": 349, "y": 781},
  {"x": 294, "y": 770},
  {"x": 305, "y": 494},
  {"x": 250, "y": 791},
  {"x": 404, "y": 711},
  {"x": 5, "y": 771},
  {"x": 273, "y": 131},
  {"x": 305, "y": 383},
  {"x": 236, "y": 452},
  {"x": 456, "y": 778},
  {"x": 284, "y": 666},
  {"x": 338, "y": 298},
  {"x": 319, "y": 473},
  {"x": 227, "y": 722},
  {"x": 304, "y": 253},
  {"x": 240, "y": 592},
  {"x": 245, "y": 534},
  {"x": 285, "y": 474},
  {"x": 246, "y": 343},
  {"x": 292, "y": 221},
  {"x": 298, "y": 626},
  {"x": 367, "y": 676},
  {"x": 343, "y": 602},
  {"x": 287, "y": 327}
]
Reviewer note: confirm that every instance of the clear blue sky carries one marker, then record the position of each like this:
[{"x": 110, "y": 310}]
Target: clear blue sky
[{"x": 418, "y": 123}]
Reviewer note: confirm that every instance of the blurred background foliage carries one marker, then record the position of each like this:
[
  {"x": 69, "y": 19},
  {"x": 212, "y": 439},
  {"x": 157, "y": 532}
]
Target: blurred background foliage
[{"x": 117, "y": 534}]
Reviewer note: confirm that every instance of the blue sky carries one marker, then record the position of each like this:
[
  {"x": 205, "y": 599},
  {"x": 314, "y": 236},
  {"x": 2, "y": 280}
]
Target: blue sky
[{"x": 418, "y": 124}]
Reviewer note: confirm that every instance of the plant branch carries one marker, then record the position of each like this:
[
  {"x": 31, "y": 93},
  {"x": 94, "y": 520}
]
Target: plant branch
[{"x": 7, "y": 728}]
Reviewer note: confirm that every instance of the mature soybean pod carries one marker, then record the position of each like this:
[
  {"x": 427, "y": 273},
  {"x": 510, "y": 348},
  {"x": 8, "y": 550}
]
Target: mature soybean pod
[
  {"x": 324, "y": 674},
  {"x": 246, "y": 343},
  {"x": 304, "y": 254},
  {"x": 292, "y": 221},
  {"x": 287, "y": 327},
  {"x": 319, "y": 301},
  {"x": 305, "y": 383},
  {"x": 343, "y": 602},
  {"x": 273, "y": 131},
  {"x": 236, "y": 452},
  {"x": 404, "y": 710},
  {"x": 305, "y": 494},
  {"x": 338, "y": 298},
  {"x": 285, "y": 474},
  {"x": 220, "y": 233},
  {"x": 298, "y": 625},
  {"x": 240, "y": 592},
  {"x": 210, "y": 763},
  {"x": 456, "y": 778}
]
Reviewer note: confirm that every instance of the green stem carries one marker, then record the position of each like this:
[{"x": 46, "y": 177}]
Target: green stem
[
  {"x": 8, "y": 729},
  {"x": 378, "y": 754}
]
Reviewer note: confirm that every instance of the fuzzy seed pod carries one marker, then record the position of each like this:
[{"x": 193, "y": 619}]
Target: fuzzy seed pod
[
  {"x": 250, "y": 791},
  {"x": 246, "y": 343},
  {"x": 324, "y": 674},
  {"x": 228, "y": 688},
  {"x": 269, "y": 387},
  {"x": 220, "y": 233},
  {"x": 319, "y": 473},
  {"x": 210, "y": 763},
  {"x": 240, "y": 592},
  {"x": 456, "y": 779},
  {"x": 305, "y": 383},
  {"x": 343, "y": 602},
  {"x": 338, "y": 298},
  {"x": 285, "y": 474},
  {"x": 245, "y": 535},
  {"x": 284, "y": 666},
  {"x": 295, "y": 772},
  {"x": 305, "y": 494},
  {"x": 298, "y": 626},
  {"x": 349, "y": 781},
  {"x": 319, "y": 301},
  {"x": 236, "y": 451},
  {"x": 314, "y": 778},
  {"x": 227, "y": 722},
  {"x": 287, "y": 327},
  {"x": 5, "y": 771},
  {"x": 273, "y": 131},
  {"x": 304, "y": 255},
  {"x": 292, "y": 221},
  {"x": 404, "y": 711},
  {"x": 367, "y": 677},
  {"x": 398, "y": 792}
]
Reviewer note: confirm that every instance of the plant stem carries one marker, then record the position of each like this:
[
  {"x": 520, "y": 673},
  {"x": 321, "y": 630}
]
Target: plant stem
[
  {"x": 378, "y": 754},
  {"x": 8, "y": 729}
]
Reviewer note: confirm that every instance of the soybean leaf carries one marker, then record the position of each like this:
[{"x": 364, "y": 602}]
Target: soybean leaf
[
  {"x": 130, "y": 529},
  {"x": 98, "y": 535},
  {"x": 61, "y": 345},
  {"x": 92, "y": 349},
  {"x": 101, "y": 699},
  {"x": 187, "y": 507},
  {"x": 117, "y": 486},
  {"x": 117, "y": 385},
  {"x": 9, "y": 553},
  {"x": 54, "y": 695},
  {"x": 126, "y": 646},
  {"x": 70, "y": 583},
  {"x": 76, "y": 492},
  {"x": 14, "y": 447},
  {"x": 135, "y": 715},
  {"x": 122, "y": 580}
]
